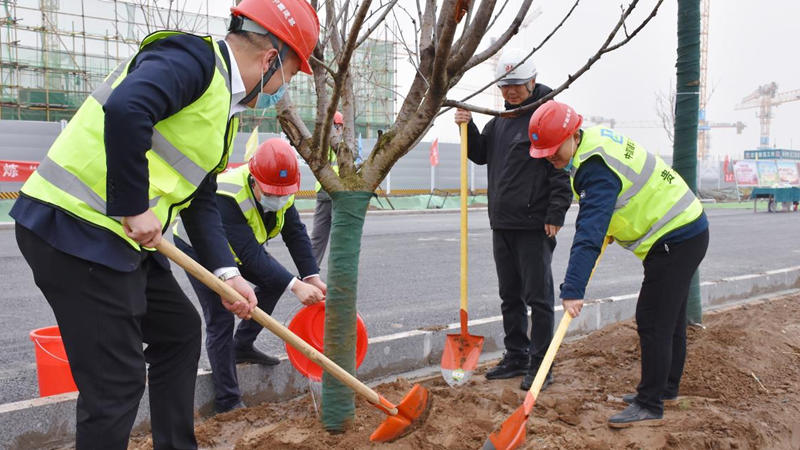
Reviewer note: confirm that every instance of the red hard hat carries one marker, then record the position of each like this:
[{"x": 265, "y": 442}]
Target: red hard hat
[
  {"x": 294, "y": 22},
  {"x": 274, "y": 167},
  {"x": 550, "y": 126},
  {"x": 338, "y": 118}
]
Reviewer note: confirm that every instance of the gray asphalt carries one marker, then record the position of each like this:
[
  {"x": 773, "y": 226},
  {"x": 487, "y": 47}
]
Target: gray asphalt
[{"x": 409, "y": 277}]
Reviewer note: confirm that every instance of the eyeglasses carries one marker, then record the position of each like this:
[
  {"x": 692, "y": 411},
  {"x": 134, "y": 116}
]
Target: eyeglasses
[{"x": 338, "y": 126}]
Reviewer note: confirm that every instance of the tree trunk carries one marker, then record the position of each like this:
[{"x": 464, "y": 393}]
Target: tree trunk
[
  {"x": 349, "y": 212},
  {"x": 687, "y": 104}
]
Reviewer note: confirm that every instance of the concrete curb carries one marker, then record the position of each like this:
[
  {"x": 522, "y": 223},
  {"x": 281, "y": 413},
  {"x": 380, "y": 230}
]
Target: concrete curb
[
  {"x": 410, "y": 212},
  {"x": 6, "y": 225},
  {"x": 46, "y": 422}
]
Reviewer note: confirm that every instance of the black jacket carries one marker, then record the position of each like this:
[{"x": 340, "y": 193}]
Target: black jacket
[
  {"x": 166, "y": 78},
  {"x": 254, "y": 257},
  {"x": 524, "y": 193}
]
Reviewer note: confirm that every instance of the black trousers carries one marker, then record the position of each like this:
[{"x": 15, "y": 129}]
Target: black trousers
[
  {"x": 221, "y": 341},
  {"x": 523, "y": 262},
  {"x": 661, "y": 317},
  {"x": 105, "y": 316}
]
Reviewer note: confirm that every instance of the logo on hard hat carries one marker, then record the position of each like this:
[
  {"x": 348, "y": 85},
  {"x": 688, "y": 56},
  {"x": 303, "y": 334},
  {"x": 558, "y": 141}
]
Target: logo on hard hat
[
  {"x": 567, "y": 118},
  {"x": 283, "y": 174},
  {"x": 286, "y": 14},
  {"x": 509, "y": 67},
  {"x": 535, "y": 136}
]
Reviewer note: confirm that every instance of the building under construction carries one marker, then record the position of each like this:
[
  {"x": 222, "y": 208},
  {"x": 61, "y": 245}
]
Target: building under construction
[{"x": 53, "y": 53}]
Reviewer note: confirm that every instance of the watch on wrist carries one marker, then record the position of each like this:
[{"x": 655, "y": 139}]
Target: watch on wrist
[{"x": 228, "y": 274}]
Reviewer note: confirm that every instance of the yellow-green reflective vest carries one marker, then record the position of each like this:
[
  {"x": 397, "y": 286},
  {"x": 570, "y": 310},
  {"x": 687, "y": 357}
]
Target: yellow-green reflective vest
[
  {"x": 654, "y": 199},
  {"x": 334, "y": 164},
  {"x": 187, "y": 147},
  {"x": 235, "y": 184}
]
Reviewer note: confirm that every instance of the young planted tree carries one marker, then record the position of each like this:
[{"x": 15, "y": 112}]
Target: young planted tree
[{"x": 444, "y": 49}]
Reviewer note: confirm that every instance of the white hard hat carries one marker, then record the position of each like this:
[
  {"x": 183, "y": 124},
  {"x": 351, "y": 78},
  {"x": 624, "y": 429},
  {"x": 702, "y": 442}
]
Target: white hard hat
[{"x": 505, "y": 68}]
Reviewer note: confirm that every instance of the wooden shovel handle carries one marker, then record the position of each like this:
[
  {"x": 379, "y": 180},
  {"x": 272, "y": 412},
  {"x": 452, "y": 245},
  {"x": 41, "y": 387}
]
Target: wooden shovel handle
[
  {"x": 464, "y": 216},
  {"x": 231, "y": 296},
  {"x": 558, "y": 336}
]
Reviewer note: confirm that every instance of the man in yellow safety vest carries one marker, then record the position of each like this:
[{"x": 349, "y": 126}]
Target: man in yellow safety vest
[
  {"x": 256, "y": 203},
  {"x": 146, "y": 146},
  {"x": 636, "y": 199}
]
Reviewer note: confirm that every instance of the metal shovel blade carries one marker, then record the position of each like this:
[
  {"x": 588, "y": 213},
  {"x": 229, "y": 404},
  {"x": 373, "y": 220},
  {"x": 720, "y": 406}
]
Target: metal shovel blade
[
  {"x": 461, "y": 354},
  {"x": 511, "y": 433},
  {"x": 411, "y": 413},
  {"x": 460, "y": 357}
]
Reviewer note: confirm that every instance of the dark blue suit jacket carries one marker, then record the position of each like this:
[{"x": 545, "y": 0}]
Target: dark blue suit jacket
[{"x": 165, "y": 78}]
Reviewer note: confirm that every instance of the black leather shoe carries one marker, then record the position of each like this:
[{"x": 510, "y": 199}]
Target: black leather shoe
[
  {"x": 635, "y": 415},
  {"x": 673, "y": 401},
  {"x": 239, "y": 405},
  {"x": 527, "y": 382},
  {"x": 255, "y": 356},
  {"x": 509, "y": 367}
]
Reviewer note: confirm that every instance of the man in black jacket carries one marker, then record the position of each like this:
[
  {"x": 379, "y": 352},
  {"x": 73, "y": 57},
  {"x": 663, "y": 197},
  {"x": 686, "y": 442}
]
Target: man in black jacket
[
  {"x": 527, "y": 204},
  {"x": 256, "y": 203}
]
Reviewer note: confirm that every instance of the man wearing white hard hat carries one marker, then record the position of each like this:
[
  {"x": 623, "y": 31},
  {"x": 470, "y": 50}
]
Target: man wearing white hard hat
[{"x": 527, "y": 204}]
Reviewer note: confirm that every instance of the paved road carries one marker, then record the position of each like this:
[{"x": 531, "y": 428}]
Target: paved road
[{"x": 409, "y": 277}]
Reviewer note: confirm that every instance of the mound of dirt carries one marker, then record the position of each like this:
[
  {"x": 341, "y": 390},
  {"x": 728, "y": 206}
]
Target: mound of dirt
[{"x": 740, "y": 391}]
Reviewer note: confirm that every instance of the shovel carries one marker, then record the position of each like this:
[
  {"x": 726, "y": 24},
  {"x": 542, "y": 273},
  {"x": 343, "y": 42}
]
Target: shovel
[
  {"x": 511, "y": 433},
  {"x": 400, "y": 417},
  {"x": 461, "y": 351}
]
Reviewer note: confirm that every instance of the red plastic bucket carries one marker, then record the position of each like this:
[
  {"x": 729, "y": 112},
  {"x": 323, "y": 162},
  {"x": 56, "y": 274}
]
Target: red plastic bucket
[
  {"x": 52, "y": 366},
  {"x": 309, "y": 325}
]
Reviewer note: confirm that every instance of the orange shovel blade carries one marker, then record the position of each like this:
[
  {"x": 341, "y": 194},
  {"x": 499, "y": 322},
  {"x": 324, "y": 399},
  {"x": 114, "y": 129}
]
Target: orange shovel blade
[
  {"x": 511, "y": 433},
  {"x": 461, "y": 354},
  {"x": 460, "y": 357},
  {"x": 411, "y": 413}
]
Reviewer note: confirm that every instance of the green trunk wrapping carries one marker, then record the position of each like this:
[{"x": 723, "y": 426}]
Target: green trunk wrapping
[
  {"x": 687, "y": 104},
  {"x": 349, "y": 211}
]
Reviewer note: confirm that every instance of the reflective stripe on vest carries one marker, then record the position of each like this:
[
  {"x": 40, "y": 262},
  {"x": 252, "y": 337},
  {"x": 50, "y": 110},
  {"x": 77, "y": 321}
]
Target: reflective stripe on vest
[
  {"x": 235, "y": 184},
  {"x": 72, "y": 176},
  {"x": 653, "y": 201}
]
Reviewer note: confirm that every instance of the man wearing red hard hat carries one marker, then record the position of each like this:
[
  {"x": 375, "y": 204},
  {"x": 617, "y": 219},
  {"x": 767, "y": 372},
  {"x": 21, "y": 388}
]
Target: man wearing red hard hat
[
  {"x": 145, "y": 147},
  {"x": 256, "y": 203},
  {"x": 634, "y": 197}
]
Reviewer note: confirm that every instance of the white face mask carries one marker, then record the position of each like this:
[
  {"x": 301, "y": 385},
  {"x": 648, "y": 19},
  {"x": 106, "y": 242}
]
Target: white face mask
[{"x": 273, "y": 203}]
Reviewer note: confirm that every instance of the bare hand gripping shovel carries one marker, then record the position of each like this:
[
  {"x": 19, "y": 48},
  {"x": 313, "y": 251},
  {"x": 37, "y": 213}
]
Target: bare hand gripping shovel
[
  {"x": 400, "y": 418},
  {"x": 511, "y": 433},
  {"x": 461, "y": 351}
]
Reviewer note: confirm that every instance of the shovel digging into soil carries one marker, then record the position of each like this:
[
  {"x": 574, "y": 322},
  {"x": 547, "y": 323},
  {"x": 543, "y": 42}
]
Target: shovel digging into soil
[
  {"x": 511, "y": 433},
  {"x": 402, "y": 418},
  {"x": 461, "y": 351}
]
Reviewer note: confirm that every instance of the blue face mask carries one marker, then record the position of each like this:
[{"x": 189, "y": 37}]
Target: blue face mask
[
  {"x": 264, "y": 101},
  {"x": 569, "y": 165}
]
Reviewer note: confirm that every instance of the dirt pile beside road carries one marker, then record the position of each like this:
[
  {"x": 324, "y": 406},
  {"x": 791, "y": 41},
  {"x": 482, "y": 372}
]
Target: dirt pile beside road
[{"x": 722, "y": 406}]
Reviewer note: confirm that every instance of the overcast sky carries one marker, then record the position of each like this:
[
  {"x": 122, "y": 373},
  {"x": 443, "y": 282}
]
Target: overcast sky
[{"x": 746, "y": 50}]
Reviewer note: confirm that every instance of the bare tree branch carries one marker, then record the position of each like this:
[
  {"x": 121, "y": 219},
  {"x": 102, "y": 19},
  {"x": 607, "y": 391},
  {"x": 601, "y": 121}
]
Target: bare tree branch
[
  {"x": 341, "y": 80},
  {"x": 473, "y": 35},
  {"x": 665, "y": 110},
  {"x": 478, "y": 59},
  {"x": 605, "y": 48},
  {"x": 508, "y": 34},
  {"x": 377, "y": 23},
  {"x": 502, "y": 8}
]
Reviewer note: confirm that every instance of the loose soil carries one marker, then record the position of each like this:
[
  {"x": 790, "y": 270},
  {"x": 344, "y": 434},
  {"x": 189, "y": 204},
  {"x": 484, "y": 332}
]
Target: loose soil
[{"x": 722, "y": 405}]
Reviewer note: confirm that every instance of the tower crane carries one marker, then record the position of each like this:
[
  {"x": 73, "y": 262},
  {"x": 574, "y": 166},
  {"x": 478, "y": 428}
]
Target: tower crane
[{"x": 765, "y": 98}]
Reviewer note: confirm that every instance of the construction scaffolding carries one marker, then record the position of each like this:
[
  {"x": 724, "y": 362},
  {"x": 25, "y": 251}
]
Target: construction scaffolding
[{"x": 53, "y": 53}]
